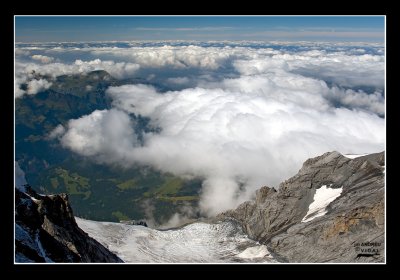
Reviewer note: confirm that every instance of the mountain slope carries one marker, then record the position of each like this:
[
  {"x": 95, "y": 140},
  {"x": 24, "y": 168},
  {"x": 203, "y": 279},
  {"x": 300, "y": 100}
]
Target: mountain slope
[
  {"x": 46, "y": 231},
  {"x": 349, "y": 228}
]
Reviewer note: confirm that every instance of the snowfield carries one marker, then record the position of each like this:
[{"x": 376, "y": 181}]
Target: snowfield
[
  {"x": 323, "y": 196},
  {"x": 351, "y": 156},
  {"x": 195, "y": 243}
]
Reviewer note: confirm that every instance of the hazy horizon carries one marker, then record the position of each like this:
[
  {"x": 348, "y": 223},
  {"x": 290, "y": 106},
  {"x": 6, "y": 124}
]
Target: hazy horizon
[{"x": 199, "y": 28}]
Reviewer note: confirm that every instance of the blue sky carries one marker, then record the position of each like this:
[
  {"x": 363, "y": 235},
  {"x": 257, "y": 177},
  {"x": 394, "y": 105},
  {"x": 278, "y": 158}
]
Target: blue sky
[{"x": 290, "y": 28}]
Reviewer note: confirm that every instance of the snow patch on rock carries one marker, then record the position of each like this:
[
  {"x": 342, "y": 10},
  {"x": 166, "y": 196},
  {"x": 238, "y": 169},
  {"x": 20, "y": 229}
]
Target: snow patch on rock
[{"x": 323, "y": 196}]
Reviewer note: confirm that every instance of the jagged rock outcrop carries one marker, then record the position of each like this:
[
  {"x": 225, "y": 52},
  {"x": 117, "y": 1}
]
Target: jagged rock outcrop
[
  {"x": 352, "y": 229},
  {"x": 46, "y": 231}
]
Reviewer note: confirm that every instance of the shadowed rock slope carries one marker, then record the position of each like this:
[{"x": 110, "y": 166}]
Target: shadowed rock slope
[
  {"x": 351, "y": 230},
  {"x": 46, "y": 231}
]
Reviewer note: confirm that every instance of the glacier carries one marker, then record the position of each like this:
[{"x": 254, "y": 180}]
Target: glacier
[{"x": 199, "y": 242}]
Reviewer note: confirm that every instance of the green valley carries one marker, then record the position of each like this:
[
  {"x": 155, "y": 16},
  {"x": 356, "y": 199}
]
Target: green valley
[{"x": 96, "y": 191}]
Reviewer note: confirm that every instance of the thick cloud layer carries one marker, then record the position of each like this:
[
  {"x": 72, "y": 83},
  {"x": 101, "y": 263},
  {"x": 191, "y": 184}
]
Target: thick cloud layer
[
  {"x": 340, "y": 68},
  {"x": 250, "y": 134},
  {"x": 251, "y": 118},
  {"x": 174, "y": 56},
  {"x": 26, "y": 72},
  {"x": 343, "y": 65},
  {"x": 237, "y": 137},
  {"x": 346, "y": 68}
]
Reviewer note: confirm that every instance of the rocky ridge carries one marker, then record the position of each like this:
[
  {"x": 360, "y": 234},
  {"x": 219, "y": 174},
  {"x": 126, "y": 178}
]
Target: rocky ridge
[
  {"x": 352, "y": 229},
  {"x": 46, "y": 231}
]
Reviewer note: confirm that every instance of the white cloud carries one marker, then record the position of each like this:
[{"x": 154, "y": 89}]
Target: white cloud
[
  {"x": 89, "y": 88},
  {"x": 337, "y": 67},
  {"x": 42, "y": 58},
  {"x": 23, "y": 73},
  {"x": 247, "y": 132},
  {"x": 260, "y": 66},
  {"x": 373, "y": 102},
  {"x": 297, "y": 88},
  {"x": 57, "y": 132},
  {"x": 18, "y": 81},
  {"x": 340, "y": 68},
  {"x": 35, "y": 86},
  {"x": 18, "y": 91},
  {"x": 178, "y": 80},
  {"x": 180, "y": 57},
  {"x": 345, "y": 65},
  {"x": 345, "y": 68},
  {"x": 21, "y": 52},
  {"x": 119, "y": 70},
  {"x": 107, "y": 136},
  {"x": 20, "y": 180},
  {"x": 184, "y": 215},
  {"x": 254, "y": 127}
]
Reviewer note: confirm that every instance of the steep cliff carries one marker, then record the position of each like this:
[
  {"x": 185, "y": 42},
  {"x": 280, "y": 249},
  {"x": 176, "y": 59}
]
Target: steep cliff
[
  {"x": 331, "y": 211},
  {"x": 46, "y": 231}
]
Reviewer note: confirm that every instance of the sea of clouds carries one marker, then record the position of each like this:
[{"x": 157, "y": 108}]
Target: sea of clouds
[{"x": 238, "y": 115}]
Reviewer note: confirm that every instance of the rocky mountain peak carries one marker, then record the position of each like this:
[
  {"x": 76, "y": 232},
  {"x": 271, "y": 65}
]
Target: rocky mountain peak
[
  {"x": 319, "y": 214},
  {"x": 327, "y": 159},
  {"x": 46, "y": 231}
]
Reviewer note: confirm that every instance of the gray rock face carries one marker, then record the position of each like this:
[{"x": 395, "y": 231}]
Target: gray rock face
[
  {"x": 352, "y": 230},
  {"x": 46, "y": 231}
]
